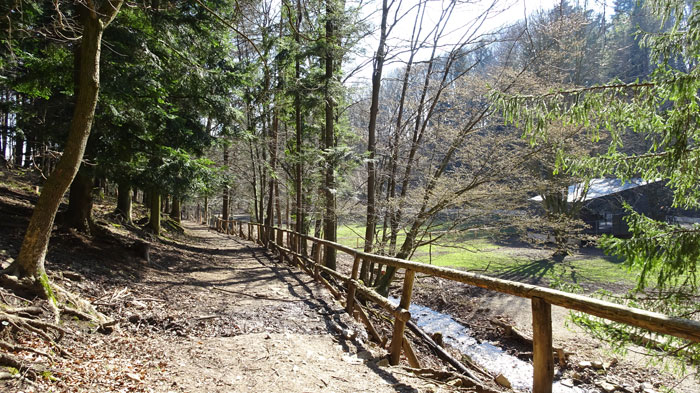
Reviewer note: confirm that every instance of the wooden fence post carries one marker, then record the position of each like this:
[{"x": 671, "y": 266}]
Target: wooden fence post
[
  {"x": 542, "y": 356},
  {"x": 350, "y": 304},
  {"x": 317, "y": 260},
  {"x": 399, "y": 325}
]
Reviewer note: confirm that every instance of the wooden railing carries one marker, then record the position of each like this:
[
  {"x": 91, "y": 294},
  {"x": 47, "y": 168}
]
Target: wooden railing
[{"x": 294, "y": 249}]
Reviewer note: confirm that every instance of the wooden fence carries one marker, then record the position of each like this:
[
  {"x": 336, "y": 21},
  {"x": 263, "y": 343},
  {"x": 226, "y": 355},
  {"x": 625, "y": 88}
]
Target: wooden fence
[{"x": 292, "y": 246}]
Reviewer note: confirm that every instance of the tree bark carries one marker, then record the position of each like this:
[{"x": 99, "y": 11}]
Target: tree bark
[
  {"x": 30, "y": 261},
  {"x": 79, "y": 213},
  {"x": 175, "y": 211},
  {"x": 5, "y": 126},
  {"x": 372, "y": 144},
  {"x": 124, "y": 200},
  {"x": 330, "y": 220},
  {"x": 206, "y": 210},
  {"x": 154, "y": 220},
  {"x": 298, "y": 129},
  {"x": 272, "y": 182},
  {"x": 19, "y": 150},
  {"x": 224, "y": 195}
]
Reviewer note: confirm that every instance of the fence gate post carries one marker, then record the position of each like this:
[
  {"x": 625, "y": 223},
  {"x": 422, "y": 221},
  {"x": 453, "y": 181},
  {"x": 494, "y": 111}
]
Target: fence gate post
[
  {"x": 350, "y": 304},
  {"x": 542, "y": 356},
  {"x": 399, "y": 325}
]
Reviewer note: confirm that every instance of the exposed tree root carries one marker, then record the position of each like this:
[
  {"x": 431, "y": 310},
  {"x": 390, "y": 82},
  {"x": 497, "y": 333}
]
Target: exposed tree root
[
  {"x": 32, "y": 320},
  {"x": 40, "y": 328},
  {"x": 16, "y": 348},
  {"x": 30, "y": 371},
  {"x": 75, "y": 305}
]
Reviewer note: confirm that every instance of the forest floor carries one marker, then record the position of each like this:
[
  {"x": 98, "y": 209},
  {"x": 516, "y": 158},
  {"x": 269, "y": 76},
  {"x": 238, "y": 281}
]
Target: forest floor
[{"x": 214, "y": 313}]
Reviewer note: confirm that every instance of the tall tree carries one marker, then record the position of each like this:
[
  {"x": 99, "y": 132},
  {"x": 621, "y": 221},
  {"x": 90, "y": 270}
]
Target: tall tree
[
  {"x": 330, "y": 218},
  {"x": 377, "y": 68},
  {"x": 93, "y": 17}
]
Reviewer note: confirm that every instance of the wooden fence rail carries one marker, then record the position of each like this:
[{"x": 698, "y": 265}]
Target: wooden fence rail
[{"x": 542, "y": 298}]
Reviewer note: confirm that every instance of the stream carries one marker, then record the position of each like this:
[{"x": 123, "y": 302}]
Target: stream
[{"x": 490, "y": 357}]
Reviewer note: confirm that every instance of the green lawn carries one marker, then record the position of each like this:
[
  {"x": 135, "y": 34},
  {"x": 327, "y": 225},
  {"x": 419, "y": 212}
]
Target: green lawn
[{"x": 478, "y": 253}]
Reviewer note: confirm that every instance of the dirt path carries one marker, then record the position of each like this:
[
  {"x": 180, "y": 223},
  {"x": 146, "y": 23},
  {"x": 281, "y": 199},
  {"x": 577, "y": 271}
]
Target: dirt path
[
  {"x": 288, "y": 333},
  {"x": 214, "y": 315}
]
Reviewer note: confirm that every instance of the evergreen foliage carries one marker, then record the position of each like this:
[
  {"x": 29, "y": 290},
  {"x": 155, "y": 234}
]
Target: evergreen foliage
[{"x": 663, "y": 108}]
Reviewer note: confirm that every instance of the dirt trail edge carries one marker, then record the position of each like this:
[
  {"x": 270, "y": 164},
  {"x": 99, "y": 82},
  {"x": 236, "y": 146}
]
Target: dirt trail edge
[{"x": 245, "y": 323}]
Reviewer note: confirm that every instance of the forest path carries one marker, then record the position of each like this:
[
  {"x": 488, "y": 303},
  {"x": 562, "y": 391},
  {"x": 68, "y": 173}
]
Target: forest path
[{"x": 259, "y": 326}]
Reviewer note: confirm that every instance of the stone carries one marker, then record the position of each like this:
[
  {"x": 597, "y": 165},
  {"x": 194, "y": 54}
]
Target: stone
[
  {"x": 597, "y": 365},
  {"x": 134, "y": 376},
  {"x": 384, "y": 362},
  {"x": 348, "y": 334},
  {"x": 502, "y": 381},
  {"x": 584, "y": 364},
  {"x": 567, "y": 382},
  {"x": 351, "y": 359},
  {"x": 365, "y": 355},
  {"x": 455, "y": 382},
  {"x": 606, "y": 386}
]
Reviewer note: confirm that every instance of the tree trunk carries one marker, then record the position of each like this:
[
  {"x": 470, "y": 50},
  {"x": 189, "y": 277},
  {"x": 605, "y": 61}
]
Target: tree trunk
[
  {"x": 154, "y": 220},
  {"x": 124, "y": 200},
  {"x": 19, "y": 150},
  {"x": 206, "y": 210},
  {"x": 5, "y": 126},
  {"x": 79, "y": 213},
  {"x": 330, "y": 220},
  {"x": 224, "y": 196},
  {"x": 30, "y": 261},
  {"x": 175, "y": 209},
  {"x": 372, "y": 144},
  {"x": 298, "y": 129},
  {"x": 28, "y": 154}
]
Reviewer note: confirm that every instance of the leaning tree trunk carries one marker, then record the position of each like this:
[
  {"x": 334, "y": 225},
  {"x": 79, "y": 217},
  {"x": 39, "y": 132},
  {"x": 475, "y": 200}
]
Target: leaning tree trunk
[
  {"x": 124, "y": 201},
  {"x": 30, "y": 261},
  {"x": 79, "y": 213}
]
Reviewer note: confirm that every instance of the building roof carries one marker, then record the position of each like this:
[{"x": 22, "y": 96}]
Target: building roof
[{"x": 601, "y": 187}]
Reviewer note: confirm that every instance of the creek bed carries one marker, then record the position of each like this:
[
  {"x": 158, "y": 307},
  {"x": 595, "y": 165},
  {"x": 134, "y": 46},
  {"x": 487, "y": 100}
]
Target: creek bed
[{"x": 490, "y": 357}]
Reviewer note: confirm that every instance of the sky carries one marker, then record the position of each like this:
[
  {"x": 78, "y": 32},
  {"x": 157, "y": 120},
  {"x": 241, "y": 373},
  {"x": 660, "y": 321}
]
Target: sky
[{"x": 470, "y": 18}]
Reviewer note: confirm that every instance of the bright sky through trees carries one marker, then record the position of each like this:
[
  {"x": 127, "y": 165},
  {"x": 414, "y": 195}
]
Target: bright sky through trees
[{"x": 470, "y": 18}]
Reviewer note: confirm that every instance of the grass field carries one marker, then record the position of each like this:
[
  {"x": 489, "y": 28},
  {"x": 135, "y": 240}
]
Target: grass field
[{"x": 477, "y": 252}]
